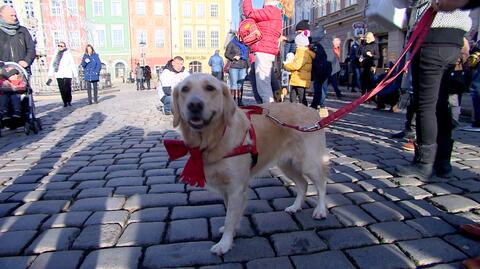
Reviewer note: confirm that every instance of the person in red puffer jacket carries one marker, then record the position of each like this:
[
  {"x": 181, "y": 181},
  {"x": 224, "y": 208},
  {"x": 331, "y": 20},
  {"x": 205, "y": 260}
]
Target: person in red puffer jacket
[{"x": 269, "y": 21}]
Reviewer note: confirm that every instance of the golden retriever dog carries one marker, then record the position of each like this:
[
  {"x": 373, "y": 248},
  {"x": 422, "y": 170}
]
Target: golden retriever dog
[{"x": 208, "y": 118}]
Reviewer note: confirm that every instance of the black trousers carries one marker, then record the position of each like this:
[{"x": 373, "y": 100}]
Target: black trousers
[
  {"x": 297, "y": 95},
  {"x": 433, "y": 117},
  {"x": 65, "y": 86},
  {"x": 92, "y": 86}
]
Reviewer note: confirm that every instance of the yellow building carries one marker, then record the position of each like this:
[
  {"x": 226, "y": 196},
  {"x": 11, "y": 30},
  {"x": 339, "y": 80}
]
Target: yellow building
[{"x": 199, "y": 27}]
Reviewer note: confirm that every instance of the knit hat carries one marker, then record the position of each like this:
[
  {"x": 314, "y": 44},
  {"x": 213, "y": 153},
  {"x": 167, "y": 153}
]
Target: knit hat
[
  {"x": 302, "y": 25},
  {"x": 301, "y": 40}
]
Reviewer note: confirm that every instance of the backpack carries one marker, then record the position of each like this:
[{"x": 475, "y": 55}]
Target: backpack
[{"x": 249, "y": 32}]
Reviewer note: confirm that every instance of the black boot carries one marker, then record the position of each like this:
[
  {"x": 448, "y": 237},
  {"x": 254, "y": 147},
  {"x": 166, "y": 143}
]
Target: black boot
[
  {"x": 442, "y": 165},
  {"x": 422, "y": 164}
]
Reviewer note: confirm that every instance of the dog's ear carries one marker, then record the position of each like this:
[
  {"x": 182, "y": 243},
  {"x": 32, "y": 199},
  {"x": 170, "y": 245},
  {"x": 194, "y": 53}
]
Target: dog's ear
[
  {"x": 175, "y": 107},
  {"x": 229, "y": 105}
]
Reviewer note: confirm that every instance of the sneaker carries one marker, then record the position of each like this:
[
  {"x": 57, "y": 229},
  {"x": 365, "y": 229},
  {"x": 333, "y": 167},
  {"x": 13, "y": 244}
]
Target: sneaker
[
  {"x": 409, "y": 146},
  {"x": 394, "y": 109},
  {"x": 323, "y": 112}
]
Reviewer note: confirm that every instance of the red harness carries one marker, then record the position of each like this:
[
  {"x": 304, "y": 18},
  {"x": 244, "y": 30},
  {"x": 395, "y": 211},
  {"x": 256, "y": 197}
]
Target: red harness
[{"x": 193, "y": 173}]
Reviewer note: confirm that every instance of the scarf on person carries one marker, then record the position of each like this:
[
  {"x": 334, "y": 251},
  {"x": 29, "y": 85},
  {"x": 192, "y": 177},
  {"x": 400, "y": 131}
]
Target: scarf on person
[
  {"x": 242, "y": 47},
  {"x": 58, "y": 58},
  {"x": 9, "y": 29}
]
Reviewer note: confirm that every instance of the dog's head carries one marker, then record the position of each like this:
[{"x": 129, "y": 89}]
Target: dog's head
[{"x": 201, "y": 101}]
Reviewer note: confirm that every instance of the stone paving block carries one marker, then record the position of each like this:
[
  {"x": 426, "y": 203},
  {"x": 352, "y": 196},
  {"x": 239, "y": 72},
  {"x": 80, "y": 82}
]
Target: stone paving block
[
  {"x": 469, "y": 185},
  {"x": 302, "y": 242},
  {"x": 7, "y": 208},
  {"x": 53, "y": 240},
  {"x": 113, "y": 258},
  {"x": 68, "y": 219},
  {"x": 466, "y": 245},
  {"x": 88, "y": 176},
  {"x": 98, "y": 236},
  {"x": 265, "y": 182},
  {"x": 60, "y": 195},
  {"x": 187, "y": 230},
  {"x": 104, "y": 162},
  {"x": 282, "y": 203},
  {"x": 273, "y": 222},
  {"x": 19, "y": 262},
  {"x": 21, "y": 187},
  {"x": 125, "y": 174},
  {"x": 28, "y": 179},
  {"x": 431, "y": 226},
  {"x": 91, "y": 184},
  {"x": 102, "y": 157},
  {"x": 270, "y": 263},
  {"x": 125, "y": 181},
  {"x": 127, "y": 161},
  {"x": 385, "y": 211},
  {"x": 180, "y": 254},
  {"x": 328, "y": 260},
  {"x": 441, "y": 189},
  {"x": 107, "y": 217},
  {"x": 42, "y": 207},
  {"x": 364, "y": 197},
  {"x": 56, "y": 186},
  {"x": 341, "y": 188},
  {"x": 90, "y": 169},
  {"x": 130, "y": 190},
  {"x": 136, "y": 202},
  {"x": 5, "y": 195},
  {"x": 380, "y": 257},
  {"x": 406, "y": 181},
  {"x": 455, "y": 203},
  {"x": 352, "y": 215},
  {"x": 343, "y": 160},
  {"x": 430, "y": 251},
  {"x": 121, "y": 167},
  {"x": 58, "y": 260},
  {"x": 247, "y": 249},
  {"x": 98, "y": 204},
  {"x": 160, "y": 172},
  {"x": 342, "y": 238},
  {"x": 12, "y": 243},
  {"x": 244, "y": 231},
  {"x": 341, "y": 178},
  {"x": 224, "y": 266},
  {"x": 453, "y": 265},
  {"x": 257, "y": 206},
  {"x": 373, "y": 184},
  {"x": 204, "y": 197},
  {"x": 200, "y": 211},
  {"x": 160, "y": 179},
  {"x": 307, "y": 222},
  {"x": 420, "y": 208},
  {"x": 375, "y": 174},
  {"x": 404, "y": 193},
  {"x": 268, "y": 193},
  {"x": 389, "y": 232},
  {"x": 166, "y": 188},
  {"x": 28, "y": 196},
  {"x": 156, "y": 214},
  {"x": 142, "y": 234},
  {"x": 95, "y": 192},
  {"x": 21, "y": 223}
]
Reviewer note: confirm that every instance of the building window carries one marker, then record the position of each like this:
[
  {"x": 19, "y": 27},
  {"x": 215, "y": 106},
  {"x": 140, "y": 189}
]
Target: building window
[
  {"x": 195, "y": 67},
  {"x": 200, "y": 10},
  {"x": 98, "y": 8},
  {"x": 350, "y": 2},
  {"x": 57, "y": 37},
  {"x": 201, "y": 43},
  {"x": 100, "y": 37},
  {"x": 214, "y": 37},
  {"x": 117, "y": 36},
  {"x": 187, "y": 39},
  {"x": 29, "y": 9},
  {"x": 72, "y": 7},
  {"x": 158, "y": 8},
  {"x": 8, "y": 2},
  {"x": 56, "y": 8},
  {"x": 116, "y": 9},
  {"x": 140, "y": 7},
  {"x": 214, "y": 10},
  {"x": 334, "y": 5},
  {"x": 322, "y": 10},
  {"x": 141, "y": 36},
  {"x": 187, "y": 9},
  {"x": 159, "y": 38},
  {"x": 75, "y": 39}
]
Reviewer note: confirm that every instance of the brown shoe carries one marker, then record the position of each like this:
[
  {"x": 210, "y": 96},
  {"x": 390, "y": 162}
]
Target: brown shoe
[
  {"x": 394, "y": 109},
  {"x": 471, "y": 230},
  {"x": 471, "y": 263},
  {"x": 409, "y": 146}
]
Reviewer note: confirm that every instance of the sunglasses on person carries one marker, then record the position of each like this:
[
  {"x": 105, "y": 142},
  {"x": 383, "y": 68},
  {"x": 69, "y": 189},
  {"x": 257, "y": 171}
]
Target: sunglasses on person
[{"x": 61, "y": 46}]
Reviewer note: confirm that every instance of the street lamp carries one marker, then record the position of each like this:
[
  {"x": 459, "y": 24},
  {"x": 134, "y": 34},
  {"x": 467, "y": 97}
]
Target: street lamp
[{"x": 142, "y": 53}]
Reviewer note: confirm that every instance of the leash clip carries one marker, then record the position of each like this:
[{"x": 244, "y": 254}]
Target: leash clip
[{"x": 309, "y": 128}]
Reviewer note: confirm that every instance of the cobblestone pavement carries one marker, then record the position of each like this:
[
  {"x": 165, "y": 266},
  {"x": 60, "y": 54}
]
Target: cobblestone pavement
[{"x": 95, "y": 189}]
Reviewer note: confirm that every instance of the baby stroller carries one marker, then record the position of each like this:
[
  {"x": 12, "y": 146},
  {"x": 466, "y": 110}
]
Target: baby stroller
[{"x": 22, "y": 87}]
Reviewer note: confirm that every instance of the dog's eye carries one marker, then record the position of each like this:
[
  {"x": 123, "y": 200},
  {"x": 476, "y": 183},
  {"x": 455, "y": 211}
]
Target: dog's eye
[
  {"x": 185, "y": 89},
  {"x": 210, "y": 88}
]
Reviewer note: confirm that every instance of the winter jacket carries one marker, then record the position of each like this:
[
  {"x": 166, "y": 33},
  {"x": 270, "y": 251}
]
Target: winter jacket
[
  {"x": 67, "y": 69},
  {"x": 269, "y": 21},
  {"x": 169, "y": 79},
  {"x": 301, "y": 67},
  {"x": 233, "y": 50},
  {"x": 369, "y": 61},
  {"x": 19, "y": 47},
  {"x": 91, "y": 70},
  {"x": 216, "y": 62}
]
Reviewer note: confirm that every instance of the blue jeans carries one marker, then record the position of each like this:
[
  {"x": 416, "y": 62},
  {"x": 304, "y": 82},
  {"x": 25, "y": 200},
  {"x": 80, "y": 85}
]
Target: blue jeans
[
  {"x": 475, "y": 91},
  {"x": 10, "y": 98},
  {"x": 333, "y": 79},
  {"x": 237, "y": 77}
]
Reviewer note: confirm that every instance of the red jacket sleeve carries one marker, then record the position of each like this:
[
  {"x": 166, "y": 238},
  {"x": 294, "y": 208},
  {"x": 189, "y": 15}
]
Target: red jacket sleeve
[{"x": 263, "y": 14}]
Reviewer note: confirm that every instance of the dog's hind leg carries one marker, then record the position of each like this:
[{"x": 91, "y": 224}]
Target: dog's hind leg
[
  {"x": 301, "y": 185},
  {"x": 235, "y": 207}
]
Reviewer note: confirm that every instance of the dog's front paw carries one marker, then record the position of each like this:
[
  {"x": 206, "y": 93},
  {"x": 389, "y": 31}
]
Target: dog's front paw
[
  {"x": 293, "y": 209},
  {"x": 320, "y": 212},
  {"x": 221, "y": 247}
]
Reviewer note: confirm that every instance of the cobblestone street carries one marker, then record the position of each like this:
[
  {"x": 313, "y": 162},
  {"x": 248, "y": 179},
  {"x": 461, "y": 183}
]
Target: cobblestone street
[{"x": 95, "y": 189}]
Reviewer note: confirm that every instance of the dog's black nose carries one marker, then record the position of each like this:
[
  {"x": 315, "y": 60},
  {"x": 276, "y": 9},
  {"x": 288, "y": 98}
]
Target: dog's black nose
[{"x": 195, "y": 106}]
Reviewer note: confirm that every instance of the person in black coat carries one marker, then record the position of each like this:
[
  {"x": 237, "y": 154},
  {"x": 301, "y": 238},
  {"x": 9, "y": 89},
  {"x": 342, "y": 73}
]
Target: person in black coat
[{"x": 368, "y": 58}]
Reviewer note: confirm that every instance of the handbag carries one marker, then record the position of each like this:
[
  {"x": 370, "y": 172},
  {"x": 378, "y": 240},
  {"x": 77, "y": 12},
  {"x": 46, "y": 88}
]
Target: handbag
[{"x": 226, "y": 67}]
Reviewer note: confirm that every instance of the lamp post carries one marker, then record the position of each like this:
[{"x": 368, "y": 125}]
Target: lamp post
[{"x": 142, "y": 52}]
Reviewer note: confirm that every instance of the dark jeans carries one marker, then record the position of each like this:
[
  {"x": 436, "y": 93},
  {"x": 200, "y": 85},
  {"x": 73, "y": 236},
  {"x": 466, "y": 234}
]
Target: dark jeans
[
  {"x": 10, "y": 98},
  {"x": 92, "y": 86},
  {"x": 367, "y": 80},
  {"x": 297, "y": 95},
  {"x": 333, "y": 79},
  {"x": 65, "y": 86},
  {"x": 140, "y": 85},
  {"x": 275, "y": 84},
  {"x": 433, "y": 117},
  {"x": 218, "y": 75},
  {"x": 317, "y": 93},
  {"x": 475, "y": 91},
  {"x": 148, "y": 83}
]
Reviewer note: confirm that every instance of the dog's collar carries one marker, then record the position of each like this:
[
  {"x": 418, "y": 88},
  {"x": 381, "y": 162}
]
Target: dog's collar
[{"x": 193, "y": 173}]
